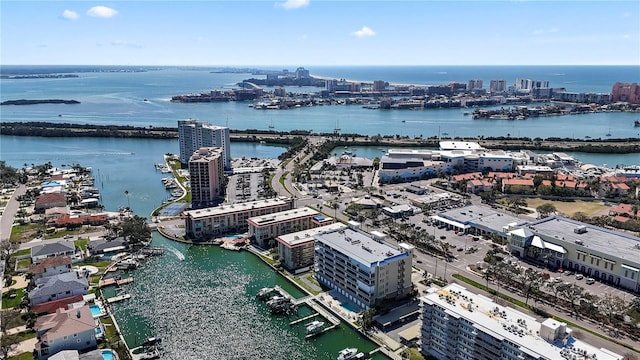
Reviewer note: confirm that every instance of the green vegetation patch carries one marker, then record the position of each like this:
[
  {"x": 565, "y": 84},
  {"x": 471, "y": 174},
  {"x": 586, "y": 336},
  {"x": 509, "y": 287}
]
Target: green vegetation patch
[
  {"x": 81, "y": 243},
  {"x": 24, "y": 233},
  {"x": 11, "y": 301},
  {"x": 22, "y": 356},
  {"x": 23, "y": 264}
]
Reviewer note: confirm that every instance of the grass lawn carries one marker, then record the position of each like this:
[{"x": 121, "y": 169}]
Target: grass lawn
[
  {"x": 22, "y": 252},
  {"x": 24, "y": 233},
  {"x": 23, "y": 356},
  {"x": 8, "y": 302},
  {"x": 82, "y": 244},
  {"x": 24, "y": 263},
  {"x": 568, "y": 208}
]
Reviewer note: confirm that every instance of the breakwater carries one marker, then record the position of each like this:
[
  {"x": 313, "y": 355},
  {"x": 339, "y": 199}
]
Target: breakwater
[{"x": 595, "y": 145}]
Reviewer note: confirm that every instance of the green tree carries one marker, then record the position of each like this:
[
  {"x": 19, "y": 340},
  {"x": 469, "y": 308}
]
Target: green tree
[
  {"x": 546, "y": 209},
  {"x": 611, "y": 305},
  {"x": 135, "y": 229}
]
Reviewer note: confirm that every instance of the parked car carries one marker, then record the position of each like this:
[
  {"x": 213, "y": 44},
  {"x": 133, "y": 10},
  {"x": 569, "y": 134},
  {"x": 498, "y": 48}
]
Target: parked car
[
  {"x": 579, "y": 276},
  {"x": 590, "y": 281},
  {"x": 568, "y": 273}
]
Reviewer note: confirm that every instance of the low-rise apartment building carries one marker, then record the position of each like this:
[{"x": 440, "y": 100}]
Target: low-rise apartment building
[
  {"x": 296, "y": 249},
  {"x": 208, "y": 223},
  {"x": 267, "y": 227},
  {"x": 458, "y": 324},
  {"x": 363, "y": 268}
]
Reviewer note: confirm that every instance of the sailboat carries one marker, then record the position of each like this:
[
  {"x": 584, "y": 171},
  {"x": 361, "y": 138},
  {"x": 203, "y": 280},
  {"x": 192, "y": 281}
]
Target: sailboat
[
  {"x": 271, "y": 124},
  {"x": 609, "y": 133}
]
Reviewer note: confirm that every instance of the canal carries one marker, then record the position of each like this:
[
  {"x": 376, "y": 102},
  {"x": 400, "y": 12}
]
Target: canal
[{"x": 201, "y": 301}]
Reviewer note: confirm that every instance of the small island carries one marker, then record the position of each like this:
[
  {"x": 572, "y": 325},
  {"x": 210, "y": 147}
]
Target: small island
[{"x": 35, "y": 102}]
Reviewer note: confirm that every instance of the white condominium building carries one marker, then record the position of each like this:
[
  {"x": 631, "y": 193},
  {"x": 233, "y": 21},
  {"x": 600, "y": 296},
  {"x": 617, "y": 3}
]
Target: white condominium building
[
  {"x": 208, "y": 223},
  {"x": 263, "y": 228},
  {"x": 194, "y": 134},
  {"x": 362, "y": 268},
  {"x": 458, "y": 324}
]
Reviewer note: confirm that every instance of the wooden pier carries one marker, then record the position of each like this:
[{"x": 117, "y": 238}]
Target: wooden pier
[
  {"x": 114, "y": 281},
  {"x": 118, "y": 298}
]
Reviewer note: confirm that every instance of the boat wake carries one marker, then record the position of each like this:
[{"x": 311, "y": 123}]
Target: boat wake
[{"x": 177, "y": 253}]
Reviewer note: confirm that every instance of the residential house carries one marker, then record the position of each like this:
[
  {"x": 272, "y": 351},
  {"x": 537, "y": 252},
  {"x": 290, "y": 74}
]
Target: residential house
[
  {"x": 52, "y": 306},
  {"x": 67, "y": 220},
  {"x": 48, "y": 201},
  {"x": 50, "y": 266},
  {"x": 508, "y": 185},
  {"x": 58, "y": 287},
  {"x": 103, "y": 246},
  {"x": 479, "y": 185},
  {"x": 72, "y": 329},
  {"x": 53, "y": 249}
]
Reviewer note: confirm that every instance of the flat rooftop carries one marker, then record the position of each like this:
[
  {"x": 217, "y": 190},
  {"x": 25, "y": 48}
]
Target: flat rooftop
[
  {"x": 506, "y": 323},
  {"x": 236, "y": 207},
  {"x": 481, "y": 216},
  {"x": 304, "y": 236},
  {"x": 559, "y": 230},
  {"x": 359, "y": 246},
  {"x": 283, "y": 216}
]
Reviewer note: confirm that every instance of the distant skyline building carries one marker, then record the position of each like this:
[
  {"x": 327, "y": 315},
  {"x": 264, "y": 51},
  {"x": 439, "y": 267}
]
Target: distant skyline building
[
  {"x": 474, "y": 84},
  {"x": 194, "y": 134},
  {"x": 206, "y": 176},
  {"x": 527, "y": 85},
  {"x": 498, "y": 86},
  {"x": 626, "y": 92}
]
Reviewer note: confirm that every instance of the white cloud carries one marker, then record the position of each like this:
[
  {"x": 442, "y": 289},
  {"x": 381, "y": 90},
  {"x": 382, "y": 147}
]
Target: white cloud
[
  {"x": 293, "y": 4},
  {"x": 626, "y": 36},
  {"x": 102, "y": 12},
  {"x": 627, "y": 14},
  {"x": 544, "y": 31},
  {"x": 303, "y": 37},
  {"x": 125, "y": 44},
  {"x": 364, "y": 32},
  {"x": 69, "y": 15}
]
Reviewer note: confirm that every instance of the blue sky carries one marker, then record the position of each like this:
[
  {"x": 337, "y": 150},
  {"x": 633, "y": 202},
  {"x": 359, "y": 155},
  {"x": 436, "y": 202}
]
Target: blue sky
[{"x": 320, "y": 32}]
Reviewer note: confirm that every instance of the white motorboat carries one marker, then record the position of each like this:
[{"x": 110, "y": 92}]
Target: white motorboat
[
  {"x": 349, "y": 353},
  {"x": 314, "y": 327}
]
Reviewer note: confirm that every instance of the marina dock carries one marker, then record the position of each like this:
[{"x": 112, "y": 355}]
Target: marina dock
[
  {"x": 118, "y": 298},
  {"x": 114, "y": 281}
]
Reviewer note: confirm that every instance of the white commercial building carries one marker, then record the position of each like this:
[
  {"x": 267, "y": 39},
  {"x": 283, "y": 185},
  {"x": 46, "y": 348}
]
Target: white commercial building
[
  {"x": 194, "y": 134},
  {"x": 363, "y": 268},
  {"x": 458, "y": 324}
]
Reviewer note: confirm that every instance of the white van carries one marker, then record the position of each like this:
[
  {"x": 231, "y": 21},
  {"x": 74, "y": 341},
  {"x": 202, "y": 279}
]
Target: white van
[{"x": 590, "y": 281}]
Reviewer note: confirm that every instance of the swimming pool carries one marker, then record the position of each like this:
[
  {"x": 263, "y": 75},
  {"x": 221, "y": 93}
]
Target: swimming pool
[
  {"x": 95, "y": 311},
  {"x": 108, "y": 355}
]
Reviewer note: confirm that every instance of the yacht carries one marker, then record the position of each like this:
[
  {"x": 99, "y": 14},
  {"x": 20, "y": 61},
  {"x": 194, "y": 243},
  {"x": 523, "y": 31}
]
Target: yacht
[
  {"x": 314, "y": 327},
  {"x": 349, "y": 353},
  {"x": 264, "y": 293}
]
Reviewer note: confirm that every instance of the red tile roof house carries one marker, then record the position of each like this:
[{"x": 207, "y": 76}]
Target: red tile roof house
[
  {"x": 623, "y": 209},
  {"x": 48, "y": 201},
  {"x": 52, "y": 306},
  {"x": 50, "y": 266},
  {"x": 523, "y": 183},
  {"x": 475, "y": 186},
  {"x": 73, "y": 329}
]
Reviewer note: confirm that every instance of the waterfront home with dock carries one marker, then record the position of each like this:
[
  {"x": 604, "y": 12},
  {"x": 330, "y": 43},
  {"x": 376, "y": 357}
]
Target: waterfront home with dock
[{"x": 73, "y": 329}]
